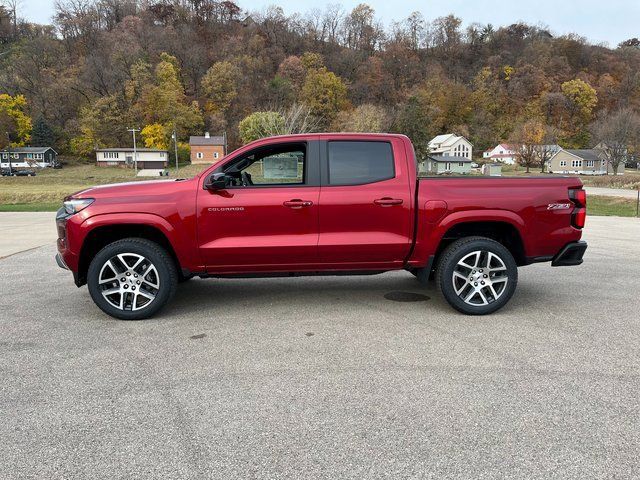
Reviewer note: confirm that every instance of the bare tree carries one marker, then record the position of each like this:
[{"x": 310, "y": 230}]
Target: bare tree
[
  {"x": 298, "y": 119},
  {"x": 527, "y": 137},
  {"x": 615, "y": 135},
  {"x": 13, "y": 6},
  {"x": 548, "y": 147}
]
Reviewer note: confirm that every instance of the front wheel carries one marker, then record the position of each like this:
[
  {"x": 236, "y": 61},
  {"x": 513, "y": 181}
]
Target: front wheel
[
  {"x": 132, "y": 279},
  {"x": 477, "y": 275}
]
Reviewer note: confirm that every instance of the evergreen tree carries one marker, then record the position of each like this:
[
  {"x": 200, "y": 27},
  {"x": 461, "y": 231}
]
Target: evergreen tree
[{"x": 42, "y": 135}]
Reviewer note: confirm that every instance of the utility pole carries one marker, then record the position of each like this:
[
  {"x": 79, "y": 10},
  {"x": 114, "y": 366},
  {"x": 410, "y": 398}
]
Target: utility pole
[
  {"x": 135, "y": 150},
  {"x": 9, "y": 148},
  {"x": 175, "y": 146}
]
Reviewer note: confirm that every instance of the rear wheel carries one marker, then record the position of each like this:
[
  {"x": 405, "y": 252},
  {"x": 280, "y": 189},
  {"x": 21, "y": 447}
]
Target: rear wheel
[
  {"x": 477, "y": 275},
  {"x": 132, "y": 279}
]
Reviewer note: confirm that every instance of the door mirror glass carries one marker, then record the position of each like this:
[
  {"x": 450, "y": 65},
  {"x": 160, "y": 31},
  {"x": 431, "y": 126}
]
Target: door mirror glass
[{"x": 216, "y": 181}]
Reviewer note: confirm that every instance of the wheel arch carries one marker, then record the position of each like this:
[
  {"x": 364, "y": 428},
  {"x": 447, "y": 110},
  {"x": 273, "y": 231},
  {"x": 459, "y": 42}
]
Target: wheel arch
[
  {"x": 102, "y": 235},
  {"x": 502, "y": 231}
]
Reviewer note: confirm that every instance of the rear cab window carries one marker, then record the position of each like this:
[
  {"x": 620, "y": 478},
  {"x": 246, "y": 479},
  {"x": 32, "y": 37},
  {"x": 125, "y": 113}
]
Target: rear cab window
[{"x": 359, "y": 162}]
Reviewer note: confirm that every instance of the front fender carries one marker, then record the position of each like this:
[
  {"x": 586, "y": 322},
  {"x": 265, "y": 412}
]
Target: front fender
[{"x": 182, "y": 243}]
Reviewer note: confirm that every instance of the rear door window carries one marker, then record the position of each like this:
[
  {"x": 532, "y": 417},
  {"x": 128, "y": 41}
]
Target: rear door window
[{"x": 357, "y": 163}]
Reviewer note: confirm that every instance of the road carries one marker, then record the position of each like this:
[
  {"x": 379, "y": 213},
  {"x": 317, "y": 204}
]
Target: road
[
  {"x": 326, "y": 378},
  {"x": 22, "y": 231},
  {"x": 612, "y": 192}
]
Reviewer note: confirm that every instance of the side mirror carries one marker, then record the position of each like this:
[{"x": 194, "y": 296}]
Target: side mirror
[{"x": 216, "y": 181}]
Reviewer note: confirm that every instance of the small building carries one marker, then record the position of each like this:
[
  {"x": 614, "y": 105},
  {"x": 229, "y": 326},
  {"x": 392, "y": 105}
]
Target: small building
[
  {"x": 451, "y": 145},
  {"x": 28, "y": 157},
  {"x": 152, "y": 158},
  {"x": 582, "y": 162},
  {"x": 207, "y": 149},
  {"x": 492, "y": 169},
  {"x": 441, "y": 164},
  {"x": 504, "y": 152}
]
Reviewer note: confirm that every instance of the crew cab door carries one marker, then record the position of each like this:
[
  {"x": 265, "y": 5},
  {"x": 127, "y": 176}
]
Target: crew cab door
[
  {"x": 266, "y": 218},
  {"x": 365, "y": 203}
]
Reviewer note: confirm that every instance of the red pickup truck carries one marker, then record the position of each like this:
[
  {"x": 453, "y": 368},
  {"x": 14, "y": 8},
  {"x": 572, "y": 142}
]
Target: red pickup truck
[{"x": 318, "y": 204}]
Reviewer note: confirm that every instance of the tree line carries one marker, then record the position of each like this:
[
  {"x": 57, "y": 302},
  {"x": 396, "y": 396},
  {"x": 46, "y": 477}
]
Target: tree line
[{"x": 193, "y": 65}]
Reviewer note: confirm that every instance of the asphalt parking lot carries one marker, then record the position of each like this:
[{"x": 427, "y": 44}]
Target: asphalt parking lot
[{"x": 327, "y": 378}]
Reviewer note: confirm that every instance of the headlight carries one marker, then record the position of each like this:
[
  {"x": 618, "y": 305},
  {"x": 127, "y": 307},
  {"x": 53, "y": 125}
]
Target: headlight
[{"x": 75, "y": 205}]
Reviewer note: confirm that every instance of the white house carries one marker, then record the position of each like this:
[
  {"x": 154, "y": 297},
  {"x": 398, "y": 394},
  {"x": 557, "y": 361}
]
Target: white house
[
  {"x": 503, "y": 152},
  {"x": 450, "y": 145},
  {"x": 123, "y": 157}
]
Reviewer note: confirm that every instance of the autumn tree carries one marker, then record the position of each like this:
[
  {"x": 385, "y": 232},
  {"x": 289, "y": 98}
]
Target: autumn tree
[
  {"x": 102, "y": 123},
  {"x": 325, "y": 93},
  {"x": 164, "y": 101},
  {"x": 296, "y": 119},
  {"x": 220, "y": 86},
  {"x": 617, "y": 134},
  {"x": 526, "y": 138},
  {"x": 293, "y": 70},
  {"x": 581, "y": 100},
  {"x": 259, "y": 125},
  {"x": 155, "y": 136},
  {"x": 15, "y": 124}
]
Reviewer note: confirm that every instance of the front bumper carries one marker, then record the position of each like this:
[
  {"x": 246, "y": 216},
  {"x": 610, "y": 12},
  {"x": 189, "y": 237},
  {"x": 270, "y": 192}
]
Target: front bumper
[
  {"x": 60, "y": 262},
  {"x": 570, "y": 255}
]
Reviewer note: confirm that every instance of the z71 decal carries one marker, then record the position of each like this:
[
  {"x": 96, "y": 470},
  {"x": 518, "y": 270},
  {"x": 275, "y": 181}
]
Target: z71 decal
[{"x": 558, "y": 206}]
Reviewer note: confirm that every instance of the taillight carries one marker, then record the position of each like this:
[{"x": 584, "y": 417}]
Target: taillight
[{"x": 579, "y": 214}]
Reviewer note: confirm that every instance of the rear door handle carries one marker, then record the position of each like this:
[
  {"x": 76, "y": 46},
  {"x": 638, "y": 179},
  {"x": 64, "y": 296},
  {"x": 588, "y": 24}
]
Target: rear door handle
[
  {"x": 387, "y": 201},
  {"x": 297, "y": 203}
]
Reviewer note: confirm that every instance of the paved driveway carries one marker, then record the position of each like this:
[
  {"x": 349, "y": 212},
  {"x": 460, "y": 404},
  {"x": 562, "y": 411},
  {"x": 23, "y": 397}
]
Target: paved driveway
[
  {"x": 612, "y": 192},
  {"x": 327, "y": 378},
  {"x": 24, "y": 230}
]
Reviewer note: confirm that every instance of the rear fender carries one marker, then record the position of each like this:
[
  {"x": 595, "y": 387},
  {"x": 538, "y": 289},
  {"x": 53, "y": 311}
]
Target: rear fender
[{"x": 430, "y": 236}]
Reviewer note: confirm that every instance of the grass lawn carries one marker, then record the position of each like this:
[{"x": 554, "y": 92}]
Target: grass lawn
[
  {"x": 630, "y": 179},
  {"x": 30, "y": 207},
  {"x": 611, "y": 206},
  {"x": 46, "y": 190}
]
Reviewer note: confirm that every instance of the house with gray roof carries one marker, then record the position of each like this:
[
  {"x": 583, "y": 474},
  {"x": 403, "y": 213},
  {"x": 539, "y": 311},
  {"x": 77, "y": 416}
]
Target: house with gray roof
[
  {"x": 28, "y": 157},
  {"x": 442, "y": 164},
  {"x": 581, "y": 162}
]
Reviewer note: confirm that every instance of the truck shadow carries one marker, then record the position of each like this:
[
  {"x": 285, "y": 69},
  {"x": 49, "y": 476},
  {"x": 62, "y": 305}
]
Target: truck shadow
[{"x": 313, "y": 294}]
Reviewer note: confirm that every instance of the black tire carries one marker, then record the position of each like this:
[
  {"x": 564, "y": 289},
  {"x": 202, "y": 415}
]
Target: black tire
[
  {"x": 449, "y": 261},
  {"x": 165, "y": 275}
]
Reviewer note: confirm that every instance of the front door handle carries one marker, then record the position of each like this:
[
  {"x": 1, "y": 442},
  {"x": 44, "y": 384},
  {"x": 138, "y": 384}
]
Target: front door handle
[
  {"x": 297, "y": 203},
  {"x": 387, "y": 201}
]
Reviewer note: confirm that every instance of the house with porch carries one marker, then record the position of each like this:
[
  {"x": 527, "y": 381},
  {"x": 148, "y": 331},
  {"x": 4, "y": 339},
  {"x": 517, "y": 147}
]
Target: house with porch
[
  {"x": 28, "y": 157},
  {"x": 441, "y": 165}
]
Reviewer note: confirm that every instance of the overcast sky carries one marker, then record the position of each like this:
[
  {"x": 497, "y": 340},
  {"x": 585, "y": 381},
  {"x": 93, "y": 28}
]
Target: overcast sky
[{"x": 609, "y": 21}]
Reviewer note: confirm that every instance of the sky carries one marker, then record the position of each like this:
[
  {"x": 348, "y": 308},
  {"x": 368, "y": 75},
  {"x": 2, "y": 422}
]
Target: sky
[{"x": 610, "y": 21}]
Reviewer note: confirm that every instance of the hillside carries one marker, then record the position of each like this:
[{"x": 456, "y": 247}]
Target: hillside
[{"x": 205, "y": 65}]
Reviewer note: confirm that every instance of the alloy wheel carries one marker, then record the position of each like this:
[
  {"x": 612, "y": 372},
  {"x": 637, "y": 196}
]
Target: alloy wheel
[
  {"x": 129, "y": 281},
  {"x": 480, "y": 278}
]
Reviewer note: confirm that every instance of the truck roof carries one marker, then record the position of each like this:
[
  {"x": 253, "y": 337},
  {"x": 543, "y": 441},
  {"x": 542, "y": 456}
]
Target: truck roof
[{"x": 301, "y": 136}]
